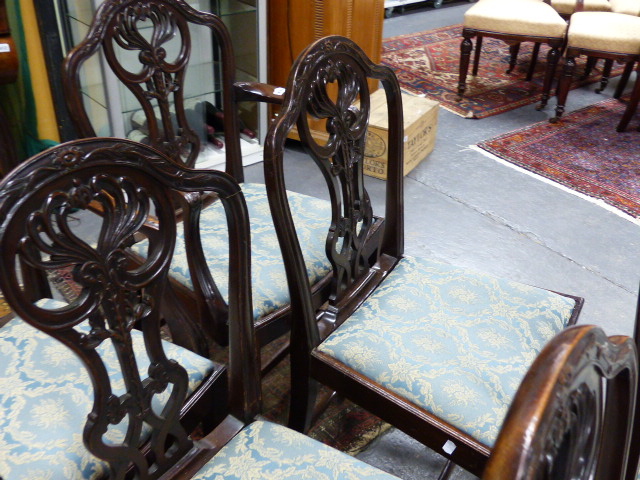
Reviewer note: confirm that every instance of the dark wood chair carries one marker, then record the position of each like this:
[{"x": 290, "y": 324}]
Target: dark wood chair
[
  {"x": 89, "y": 389},
  {"x": 433, "y": 349},
  {"x": 148, "y": 46},
  {"x": 572, "y": 414},
  {"x": 608, "y": 35},
  {"x": 514, "y": 22}
]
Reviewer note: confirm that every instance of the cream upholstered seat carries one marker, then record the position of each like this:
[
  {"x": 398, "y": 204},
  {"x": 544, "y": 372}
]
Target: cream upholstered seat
[
  {"x": 513, "y": 22},
  {"x": 628, "y": 7},
  {"x": 568, "y": 7},
  {"x": 613, "y": 36}
]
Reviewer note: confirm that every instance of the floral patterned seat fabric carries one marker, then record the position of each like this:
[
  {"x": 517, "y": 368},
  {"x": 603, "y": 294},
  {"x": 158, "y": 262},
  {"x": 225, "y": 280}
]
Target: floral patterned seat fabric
[
  {"x": 312, "y": 218},
  {"x": 46, "y": 394},
  {"x": 264, "y": 450},
  {"x": 454, "y": 342}
]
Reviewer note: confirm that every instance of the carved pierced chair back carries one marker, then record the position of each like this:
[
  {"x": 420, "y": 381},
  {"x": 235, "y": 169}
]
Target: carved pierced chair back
[
  {"x": 572, "y": 414},
  {"x": 148, "y": 46},
  {"x": 329, "y": 82},
  {"x": 42, "y": 201}
]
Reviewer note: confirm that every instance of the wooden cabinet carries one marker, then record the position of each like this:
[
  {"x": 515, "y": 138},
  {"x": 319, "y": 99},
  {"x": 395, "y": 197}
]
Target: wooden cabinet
[{"x": 294, "y": 24}]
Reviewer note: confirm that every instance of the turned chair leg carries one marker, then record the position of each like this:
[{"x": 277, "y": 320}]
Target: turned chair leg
[
  {"x": 465, "y": 54},
  {"x": 476, "y": 56},
  {"x": 534, "y": 61},
  {"x": 632, "y": 106},
  {"x": 606, "y": 73},
  {"x": 550, "y": 73},
  {"x": 564, "y": 86},
  {"x": 514, "y": 50},
  {"x": 624, "y": 78}
]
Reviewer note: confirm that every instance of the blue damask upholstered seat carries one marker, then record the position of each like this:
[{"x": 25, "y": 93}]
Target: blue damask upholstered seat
[
  {"x": 264, "y": 450},
  {"x": 454, "y": 342},
  {"x": 46, "y": 394},
  {"x": 270, "y": 291}
]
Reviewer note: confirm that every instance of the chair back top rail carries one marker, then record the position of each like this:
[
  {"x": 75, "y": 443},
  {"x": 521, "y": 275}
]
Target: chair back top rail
[{"x": 572, "y": 415}]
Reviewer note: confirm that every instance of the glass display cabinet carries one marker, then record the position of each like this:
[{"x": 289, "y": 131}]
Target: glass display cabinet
[{"x": 113, "y": 109}]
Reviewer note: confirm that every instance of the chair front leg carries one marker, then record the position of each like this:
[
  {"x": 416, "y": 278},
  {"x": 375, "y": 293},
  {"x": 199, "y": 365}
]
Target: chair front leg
[
  {"x": 606, "y": 73},
  {"x": 632, "y": 106},
  {"x": 465, "y": 54},
  {"x": 550, "y": 73},
  {"x": 624, "y": 78},
  {"x": 564, "y": 85}
]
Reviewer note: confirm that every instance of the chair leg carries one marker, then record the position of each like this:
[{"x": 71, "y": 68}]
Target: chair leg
[
  {"x": 564, "y": 86},
  {"x": 465, "y": 54},
  {"x": 624, "y": 78},
  {"x": 446, "y": 471},
  {"x": 513, "y": 50},
  {"x": 588, "y": 67},
  {"x": 304, "y": 393},
  {"x": 476, "y": 56},
  {"x": 632, "y": 106},
  {"x": 534, "y": 61},
  {"x": 549, "y": 75},
  {"x": 606, "y": 73}
]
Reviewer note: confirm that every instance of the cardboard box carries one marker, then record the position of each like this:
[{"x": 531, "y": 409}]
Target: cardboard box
[{"x": 420, "y": 123}]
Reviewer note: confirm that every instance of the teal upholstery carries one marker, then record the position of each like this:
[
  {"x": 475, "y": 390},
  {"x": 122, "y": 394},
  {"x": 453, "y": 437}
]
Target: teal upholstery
[
  {"x": 46, "y": 394},
  {"x": 312, "y": 218},
  {"x": 264, "y": 450},
  {"x": 454, "y": 342}
]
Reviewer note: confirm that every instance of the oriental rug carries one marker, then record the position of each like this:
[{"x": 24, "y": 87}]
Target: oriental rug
[
  {"x": 427, "y": 63},
  {"x": 343, "y": 425},
  {"x": 582, "y": 152}
]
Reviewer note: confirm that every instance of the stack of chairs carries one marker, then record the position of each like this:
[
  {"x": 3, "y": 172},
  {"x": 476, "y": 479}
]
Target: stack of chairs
[{"x": 95, "y": 390}]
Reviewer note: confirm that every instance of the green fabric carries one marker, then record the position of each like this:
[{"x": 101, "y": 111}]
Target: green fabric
[{"x": 16, "y": 99}]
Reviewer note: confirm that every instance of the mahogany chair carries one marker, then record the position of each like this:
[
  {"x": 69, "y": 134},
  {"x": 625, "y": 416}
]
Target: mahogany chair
[
  {"x": 148, "y": 46},
  {"x": 89, "y": 389},
  {"x": 608, "y": 35},
  {"x": 514, "y": 22},
  {"x": 433, "y": 349},
  {"x": 572, "y": 414}
]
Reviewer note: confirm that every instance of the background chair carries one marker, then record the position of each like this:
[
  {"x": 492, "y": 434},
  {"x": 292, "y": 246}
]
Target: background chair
[
  {"x": 514, "y": 22},
  {"x": 572, "y": 414},
  {"x": 433, "y": 349},
  {"x": 106, "y": 345},
  {"x": 612, "y": 36},
  {"x": 148, "y": 47}
]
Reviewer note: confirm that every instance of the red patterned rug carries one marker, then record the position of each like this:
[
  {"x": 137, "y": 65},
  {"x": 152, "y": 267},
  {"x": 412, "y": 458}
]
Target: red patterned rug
[
  {"x": 428, "y": 62},
  {"x": 583, "y": 152}
]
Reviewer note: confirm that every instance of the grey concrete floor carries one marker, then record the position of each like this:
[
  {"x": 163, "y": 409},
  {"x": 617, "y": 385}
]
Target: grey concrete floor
[{"x": 467, "y": 209}]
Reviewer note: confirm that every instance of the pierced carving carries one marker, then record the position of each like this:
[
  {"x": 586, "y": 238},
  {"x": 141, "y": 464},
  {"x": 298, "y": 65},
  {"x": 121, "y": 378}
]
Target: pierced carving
[{"x": 338, "y": 93}]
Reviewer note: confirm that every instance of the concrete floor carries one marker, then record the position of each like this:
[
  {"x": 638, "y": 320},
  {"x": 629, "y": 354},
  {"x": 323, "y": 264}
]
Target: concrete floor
[{"x": 470, "y": 210}]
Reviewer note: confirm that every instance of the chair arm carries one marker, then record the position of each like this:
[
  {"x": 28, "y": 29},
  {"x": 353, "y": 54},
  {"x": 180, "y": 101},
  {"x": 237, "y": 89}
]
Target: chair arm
[{"x": 260, "y": 92}]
